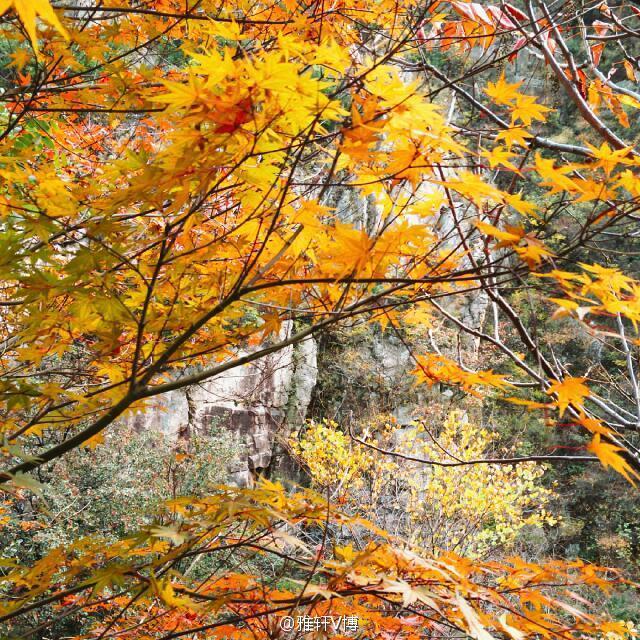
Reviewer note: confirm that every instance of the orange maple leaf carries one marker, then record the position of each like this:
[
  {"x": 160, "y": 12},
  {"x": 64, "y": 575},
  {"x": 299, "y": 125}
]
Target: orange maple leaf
[
  {"x": 609, "y": 456},
  {"x": 569, "y": 391}
]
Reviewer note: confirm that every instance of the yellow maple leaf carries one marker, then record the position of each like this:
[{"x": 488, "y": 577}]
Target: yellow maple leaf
[
  {"x": 499, "y": 156},
  {"x": 181, "y": 95},
  {"x": 554, "y": 177},
  {"x": 516, "y": 634},
  {"x": 608, "y": 158},
  {"x": 594, "y": 425},
  {"x": 471, "y": 186},
  {"x": 630, "y": 101},
  {"x": 527, "y": 110},
  {"x": 19, "y": 59},
  {"x": 593, "y": 190},
  {"x": 530, "y": 404},
  {"x": 512, "y": 236},
  {"x": 167, "y": 594},
  {"x": 569, "y": 391},
  {"x": 514, "y": 135},
  {"x": 474, "y": 624},
  {"x": 523, "y": 207},
  {"x": 609, "y": 456},
  {"x": 503, "y": 92},
  {"x": 434, "y": 368},
  {"x": 533, "y": 253},
  {"x": 28, "y": 11},
  {"x": 565, "y": 308}
]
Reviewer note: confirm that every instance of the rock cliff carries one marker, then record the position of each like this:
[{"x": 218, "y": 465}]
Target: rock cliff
[{"x": 253, "y": 401}]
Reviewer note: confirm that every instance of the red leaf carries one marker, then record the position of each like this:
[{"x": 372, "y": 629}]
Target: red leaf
[
  {"x": 596, "y": 52},
  {"x": 515, "y": 13}
]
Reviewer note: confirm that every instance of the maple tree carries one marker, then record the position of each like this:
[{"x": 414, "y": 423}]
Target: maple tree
[{"x": 166, "y": 217}]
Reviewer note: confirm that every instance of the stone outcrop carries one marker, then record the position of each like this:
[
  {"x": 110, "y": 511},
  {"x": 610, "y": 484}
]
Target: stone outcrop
[{"x": 253, "y": 402}]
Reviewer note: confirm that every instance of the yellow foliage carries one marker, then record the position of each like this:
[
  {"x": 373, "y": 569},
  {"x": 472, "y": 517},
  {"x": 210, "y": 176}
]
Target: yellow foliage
[
  {"x": 474, "y": 506},
  {"x": 157, "y": 259},
  {"x": 28, "y": 11},
  {"x": 128, "y": 584},
  {"x": 469, "y": 507},
  {"x": 330, "y": 456}
]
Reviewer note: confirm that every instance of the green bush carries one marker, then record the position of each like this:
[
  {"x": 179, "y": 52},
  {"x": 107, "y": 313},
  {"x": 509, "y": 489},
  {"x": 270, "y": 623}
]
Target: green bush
[{"x": 106, "y": 490}]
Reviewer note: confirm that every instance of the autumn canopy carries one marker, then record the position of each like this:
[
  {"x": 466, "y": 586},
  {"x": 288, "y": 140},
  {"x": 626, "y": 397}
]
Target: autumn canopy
[{"x": 189, "y": 187}]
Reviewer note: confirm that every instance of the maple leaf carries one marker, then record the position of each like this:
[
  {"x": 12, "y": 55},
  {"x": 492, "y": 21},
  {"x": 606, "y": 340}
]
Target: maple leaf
[
  {"x": 630, "y": 101},
  {"x": 607, "y": 158},
  {"x": 594, "y": 425},
  {"x": 471, "y": 186},
  {"x": 503, "y": 92},
  {"x": 165, "y": 590},
  {"x": 514, "y": 135},
  {"x": 567, "y": 308},
  {"x": 19, "y": 58},
  {"x": 514, "y": 235},
  {"x": 523, "y": 207},
  {"x": 612, "y": 276},
  {"x": 172, "y": 533},
  {"x": 499, "y": 156},
  {"x": 515, "y": 634},
  {"x": 181, "y": 95},
  {"x": 474, "y": 625},
  {"x": 569, "y": 391},
  {"x": 434, "y": 368},
  {"x": 94, "y": 441},
  {"x": 527, "y": 110},
  {"x": 530, "y": 404},
  {"x": 630, "y": 71},
  {"x": 554, "y": 176},
  {"x": 28, "y": 11},
  {"x": 533, "y": 253},
  {"x": 609, "y": 456},
  {"x": 593, "y": 190}
]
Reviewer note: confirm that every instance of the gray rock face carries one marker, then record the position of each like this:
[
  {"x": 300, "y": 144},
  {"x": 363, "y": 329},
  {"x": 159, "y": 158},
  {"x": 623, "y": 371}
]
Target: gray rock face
[
  {"x": 303, "y": 381},
  {"x": 253, "y": 401}
]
